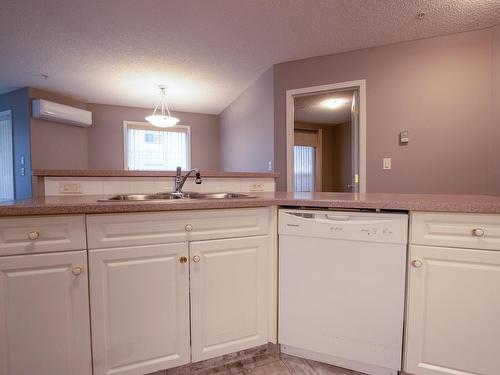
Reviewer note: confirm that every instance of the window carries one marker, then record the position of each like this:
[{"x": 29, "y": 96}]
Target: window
[
  {"x": 148, "y": 148},
  {"x": 304, "y": 168}
]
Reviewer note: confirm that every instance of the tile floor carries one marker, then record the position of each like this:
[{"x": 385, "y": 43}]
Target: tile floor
[
  {"x": 268, "y": 364},
  {"x": 288, "y": 365}
]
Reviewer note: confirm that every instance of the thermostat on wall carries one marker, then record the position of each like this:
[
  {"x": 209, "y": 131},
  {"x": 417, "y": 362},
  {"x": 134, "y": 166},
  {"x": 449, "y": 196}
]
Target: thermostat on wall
[{"x": 403, "y": 136}]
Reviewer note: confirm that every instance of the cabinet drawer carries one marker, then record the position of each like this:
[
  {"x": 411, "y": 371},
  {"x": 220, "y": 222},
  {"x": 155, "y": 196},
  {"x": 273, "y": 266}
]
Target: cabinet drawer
[
  {"x": 474, "y": 231},
  {"x": 228, "y": 223},
  {"x": 41, "y": 234},
  {"x": 132, "y": 229},
  {"x": 118, "y": 230}
]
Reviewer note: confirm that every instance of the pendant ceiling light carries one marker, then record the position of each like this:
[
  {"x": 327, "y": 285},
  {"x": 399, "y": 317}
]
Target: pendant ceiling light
[{"x": 165, "y": 119}]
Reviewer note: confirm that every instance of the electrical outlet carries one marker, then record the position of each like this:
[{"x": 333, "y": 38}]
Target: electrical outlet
[
  {"x": 386, "y": 163},
  {"x": 70, "y": 188},
  {"x": 256, "y": 187}
]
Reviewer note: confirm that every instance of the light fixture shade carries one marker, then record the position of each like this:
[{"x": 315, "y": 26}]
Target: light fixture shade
[
  {"x": 162, "y": 121},
  {"x": 165, "y": 119}
]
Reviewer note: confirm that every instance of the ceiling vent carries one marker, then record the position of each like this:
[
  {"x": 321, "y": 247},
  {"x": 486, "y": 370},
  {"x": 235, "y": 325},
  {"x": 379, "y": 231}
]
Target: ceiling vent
[{"x": 50, "y": 111}]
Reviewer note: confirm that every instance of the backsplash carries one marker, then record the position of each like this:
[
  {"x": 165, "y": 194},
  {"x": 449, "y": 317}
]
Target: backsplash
[{"x": 57, "y": 186}]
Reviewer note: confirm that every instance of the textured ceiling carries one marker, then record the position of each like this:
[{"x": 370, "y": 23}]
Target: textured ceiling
[
  {"x": 206, "y": 51},
  {"x": 310, "y": 109}
]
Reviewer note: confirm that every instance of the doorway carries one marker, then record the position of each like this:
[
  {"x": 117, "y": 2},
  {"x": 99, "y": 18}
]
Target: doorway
[
  {"x": 326, "y": 138},
  {"x": 6, "y": 157},
  {"x": 308, "y": 158}
]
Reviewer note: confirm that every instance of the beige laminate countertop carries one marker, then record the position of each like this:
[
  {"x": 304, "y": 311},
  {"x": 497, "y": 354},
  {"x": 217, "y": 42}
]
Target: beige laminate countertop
[{"x": 408, "y": 202}]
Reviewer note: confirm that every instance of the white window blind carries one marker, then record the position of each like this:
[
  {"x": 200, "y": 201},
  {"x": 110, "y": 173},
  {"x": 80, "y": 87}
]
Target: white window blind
[
  {"x": 304, "y": 168},
  {"x": 159, "y": 149},
  {"x": 6, "y": 157}
]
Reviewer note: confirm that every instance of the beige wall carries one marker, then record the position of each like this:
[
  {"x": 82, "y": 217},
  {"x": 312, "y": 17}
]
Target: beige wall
[
  {"x": 54, "y": 145},
  {"x": 105, "y": 136},
  {"x": 494, "y": 181},
  {"x": 247, "y": 128},
  {"x": 336, "y": 155},
  {"x": 61, "y": 146},
  {"x": 439, "y": 89}
]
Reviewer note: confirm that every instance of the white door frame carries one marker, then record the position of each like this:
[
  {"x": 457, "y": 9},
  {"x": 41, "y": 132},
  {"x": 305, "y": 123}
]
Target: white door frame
[
  {"x": 291, "y": 94},
  {"x": 11, "y": 177}
]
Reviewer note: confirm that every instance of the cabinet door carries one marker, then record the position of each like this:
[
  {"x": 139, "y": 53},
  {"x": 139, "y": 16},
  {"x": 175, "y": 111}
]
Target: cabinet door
[
  {"x": 228, "y": 295},
  {"x": 44, "y": 314},
  {"x": 140, "y": 308},
  {"x": 453, "y": 312}
]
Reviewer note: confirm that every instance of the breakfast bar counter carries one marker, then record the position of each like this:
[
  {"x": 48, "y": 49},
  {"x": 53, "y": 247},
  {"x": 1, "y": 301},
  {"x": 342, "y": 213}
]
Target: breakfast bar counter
[{"x": 86, "y": 204}]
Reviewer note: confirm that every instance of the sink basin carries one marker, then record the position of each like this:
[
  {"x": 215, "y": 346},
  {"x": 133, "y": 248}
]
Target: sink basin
[
  {"x": 170, "y": 196},
  {"x": 219, "y": 196},
  {"x": 142, "y": 197}
]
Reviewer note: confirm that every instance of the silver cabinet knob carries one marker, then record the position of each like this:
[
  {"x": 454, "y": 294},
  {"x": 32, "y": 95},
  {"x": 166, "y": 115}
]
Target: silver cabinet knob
[
  {"x": 478, "y": 232},
  {"x": 188, "y": 227},
  {"x": 417, "y": 263},
  {"x": 33, "y": 235},
  {"x": 196, "y": 258},
  {"x": 77, "y": 271}
]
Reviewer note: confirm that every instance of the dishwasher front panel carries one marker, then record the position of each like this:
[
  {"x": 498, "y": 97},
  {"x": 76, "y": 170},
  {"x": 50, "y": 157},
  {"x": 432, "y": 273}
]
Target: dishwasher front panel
[{"x": 342, "y": 301}]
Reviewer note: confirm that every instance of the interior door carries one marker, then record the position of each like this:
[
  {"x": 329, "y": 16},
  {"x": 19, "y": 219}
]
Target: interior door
[
  {"x": 44, "y": 314},
  {"x": 6, "y": 157},
  {"x": 140, "y": 308},
  {"x": 453, "y": 312},
  {"x": 228, "y": 295}
]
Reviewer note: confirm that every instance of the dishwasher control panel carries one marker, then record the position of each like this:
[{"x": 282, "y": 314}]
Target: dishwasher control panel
[{"x": 365, "y": 226}]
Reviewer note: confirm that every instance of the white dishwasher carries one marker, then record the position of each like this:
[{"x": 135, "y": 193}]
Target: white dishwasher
[{"x": 342, "y": 287}]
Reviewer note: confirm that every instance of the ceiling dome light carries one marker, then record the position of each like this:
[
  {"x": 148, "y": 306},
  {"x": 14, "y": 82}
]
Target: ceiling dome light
[
  {"x": 165, "y": 119},
  {"x": 162, "y": 121},
  {"x": 332, "y": 103}
]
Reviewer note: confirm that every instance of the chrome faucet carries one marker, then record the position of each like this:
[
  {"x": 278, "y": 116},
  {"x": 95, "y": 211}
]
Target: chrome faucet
[{"x": 180, "y": 180}]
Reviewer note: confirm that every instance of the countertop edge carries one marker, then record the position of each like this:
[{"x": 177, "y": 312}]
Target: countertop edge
[
  {"x": 28, "y": 208},
  {"x": 124, "y": 173}
]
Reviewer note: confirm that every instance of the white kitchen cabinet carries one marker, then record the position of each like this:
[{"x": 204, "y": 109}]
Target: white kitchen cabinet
[
  {"x": 141, "y": 291},
  {"x": 140, "y": 308},
  {"x": 453, "y": 311},
  {"x": 229, "y": 295},
  {"x": 44, "y": 314}
]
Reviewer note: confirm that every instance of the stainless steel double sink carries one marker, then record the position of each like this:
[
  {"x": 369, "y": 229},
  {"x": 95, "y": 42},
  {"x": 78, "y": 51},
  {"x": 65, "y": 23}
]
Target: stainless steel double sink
[{"x": 171, "y": 196}]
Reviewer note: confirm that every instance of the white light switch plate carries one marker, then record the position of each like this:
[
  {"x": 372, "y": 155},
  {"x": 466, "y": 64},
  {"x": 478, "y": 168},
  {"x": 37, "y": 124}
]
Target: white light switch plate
[{"x": 386, "y": 163}]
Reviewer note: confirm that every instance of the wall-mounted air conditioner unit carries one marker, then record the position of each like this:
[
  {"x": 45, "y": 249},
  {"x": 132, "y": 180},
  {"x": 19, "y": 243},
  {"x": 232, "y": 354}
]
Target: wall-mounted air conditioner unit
[{"x": 65, "y": 114}]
